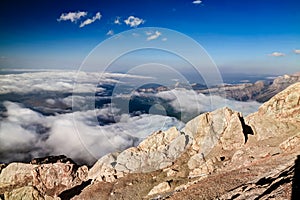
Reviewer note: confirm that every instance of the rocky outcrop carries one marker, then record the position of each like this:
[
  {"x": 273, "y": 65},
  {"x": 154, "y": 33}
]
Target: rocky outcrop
[
  {"x": 220, "y": 130},
  {"x": 156, "y": 152},
  {"x": 281, "y": 115},
  {"x": 40, "y": 180}
]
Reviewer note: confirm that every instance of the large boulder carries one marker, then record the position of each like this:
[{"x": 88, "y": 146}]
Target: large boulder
[
  {"x": 48, "y": 179},
  {"x": 156, "y": 152},
  {"x": 222, "y": 126}
]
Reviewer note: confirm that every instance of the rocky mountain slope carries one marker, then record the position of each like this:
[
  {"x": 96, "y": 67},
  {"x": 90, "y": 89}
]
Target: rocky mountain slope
[
  {"x": 218, "y": 155},
  {"x": 260, "y": 91}
]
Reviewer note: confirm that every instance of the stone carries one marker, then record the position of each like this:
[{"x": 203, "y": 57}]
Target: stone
[
  {"x": 290, "y": 143},
  {"x": 103, "y": 169},
  {"x": 196, "y": 161},
  {"x": 160, "y": 188},
  {"x": 222, "y": 125},
  {"x": 24, "y": 193},
  {"x": 157, "y": 151},
  {"x": 17, "y": 174},
  {"x": 47, "y": 179}
]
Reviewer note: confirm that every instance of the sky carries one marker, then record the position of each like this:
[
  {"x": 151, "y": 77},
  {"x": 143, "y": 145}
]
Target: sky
[{"x": 249, "y": 36}]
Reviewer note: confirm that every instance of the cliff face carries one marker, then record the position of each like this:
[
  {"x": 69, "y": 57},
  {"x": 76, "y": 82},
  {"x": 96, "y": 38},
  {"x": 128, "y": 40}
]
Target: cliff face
[
  {"x": 218, "y": 155},
  {"x": 260, "y": 91}
]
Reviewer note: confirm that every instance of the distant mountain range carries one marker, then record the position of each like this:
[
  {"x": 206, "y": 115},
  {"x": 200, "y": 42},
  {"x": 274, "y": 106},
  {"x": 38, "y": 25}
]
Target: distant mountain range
[{"x": 260, "y": 91}]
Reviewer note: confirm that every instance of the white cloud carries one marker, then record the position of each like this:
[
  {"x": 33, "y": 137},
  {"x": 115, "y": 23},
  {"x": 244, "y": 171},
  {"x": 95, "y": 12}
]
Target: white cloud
[
  {"x": 164, "y": 39},
  {"x": 154, "y": 36},
  {"x": 72, "y": 16},
  {"x": 57, "y": 81},
  {"x": 89, "y": 21},
  {"x": 117, "y": 21},
  {"x": 110, "y": 32},
  {"x": 25, "y": 133},
  {"x": 190, "y": 104},
  {"x": 197, "y": 2},
  {"x": 297, "y": 51},
  {"x": 134, "y": 21},
  {"x": 277, "y": 54}
]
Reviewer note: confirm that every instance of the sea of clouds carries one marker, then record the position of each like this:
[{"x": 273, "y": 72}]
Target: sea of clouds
[{"x": 25, "y": 132}]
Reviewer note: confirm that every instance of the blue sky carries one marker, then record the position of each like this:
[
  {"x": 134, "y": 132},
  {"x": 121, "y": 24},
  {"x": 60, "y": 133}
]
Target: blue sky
[{"x": 249, "y": 36}]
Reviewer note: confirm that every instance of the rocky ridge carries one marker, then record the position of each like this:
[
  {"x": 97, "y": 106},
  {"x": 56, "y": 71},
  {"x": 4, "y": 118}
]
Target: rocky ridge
[
  {"x": 218, "y": 155},
  {"x": 260, "y": 91}
]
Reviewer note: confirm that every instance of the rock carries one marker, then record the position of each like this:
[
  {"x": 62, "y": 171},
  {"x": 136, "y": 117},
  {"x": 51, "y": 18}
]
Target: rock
[
  {"x": 196, "y": 160},
  {"x": 158, "y": 151},
  {"x": 103, "y": 169},
  {"x": 27, "y": 192},
  {"x": 290, "y": 143},
  {"x": 47, "y": 179},
  {"x": 222, "y": 125},
  {"x": 170, "y": 172},
  {"x": 160, "y": 188},
  {"x": 281, "y": 115},
  {"x": 238, "y": 156},
  {"x": 285, "y": 106}
]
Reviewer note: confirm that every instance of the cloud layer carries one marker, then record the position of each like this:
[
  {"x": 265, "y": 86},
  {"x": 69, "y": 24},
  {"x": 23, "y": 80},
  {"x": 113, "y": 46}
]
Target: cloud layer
[
  {"x": 88, "y": 132},
  {"x": 57, "y": 81},
  {"x": 190, "y": 104},
  {"x": 25, "y": 133}
]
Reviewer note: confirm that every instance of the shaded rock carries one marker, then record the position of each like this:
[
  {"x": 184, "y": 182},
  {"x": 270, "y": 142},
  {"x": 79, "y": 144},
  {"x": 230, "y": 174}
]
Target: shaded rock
[
  {"x": 2, "y": 166},
  {"x": 52, "y": 159}
]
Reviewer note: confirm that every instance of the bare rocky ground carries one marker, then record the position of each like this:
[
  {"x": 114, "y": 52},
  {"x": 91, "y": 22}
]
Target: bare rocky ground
[{"x": 218, "y": 155}]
